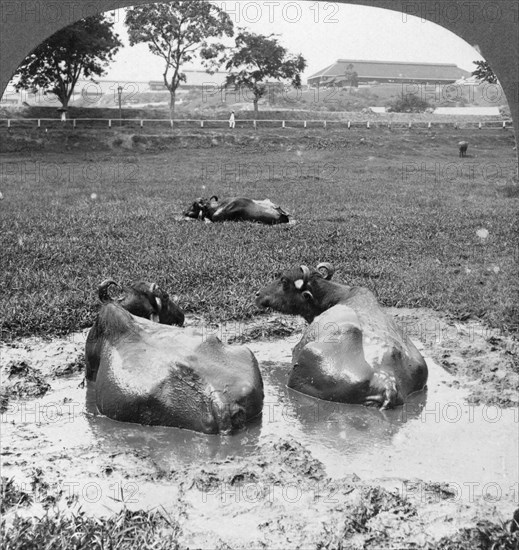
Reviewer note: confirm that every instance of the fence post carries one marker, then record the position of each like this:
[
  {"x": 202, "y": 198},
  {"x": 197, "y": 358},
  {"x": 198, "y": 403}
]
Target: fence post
[
  {"x": 8, "y": 122},
  {"x": 283, "y": 124},
  {"x": 324, "y": 124},
  {"x": 304, "y": 126},
  {"x": 410, "y": 124},
  {"x": 109, "y": 123},
  {"x": 429, "y": 124},
  {"x": 201, "y": 124},
  {"x": 74, "y": 123},
  {"x": 142, "y": 122},
  {"x": 39, "y": 123},
  {"x": 504, "y": 124},
  {"x": 367, "y": 124},
  {"x": 349, "y": 124},
  {"x": 254, "y": 124}
]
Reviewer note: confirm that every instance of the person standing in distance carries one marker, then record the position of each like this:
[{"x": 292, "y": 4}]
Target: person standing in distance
[{"x": 232, "y": 121}]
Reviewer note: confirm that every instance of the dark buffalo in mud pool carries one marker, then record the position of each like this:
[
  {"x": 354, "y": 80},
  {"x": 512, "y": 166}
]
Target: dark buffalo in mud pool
[
  {"x": 351, "y": 352},
  {"x": 237, "y": 209},
  {"x": 142, "y": 299},
  {"x": 154, "y": 374}
]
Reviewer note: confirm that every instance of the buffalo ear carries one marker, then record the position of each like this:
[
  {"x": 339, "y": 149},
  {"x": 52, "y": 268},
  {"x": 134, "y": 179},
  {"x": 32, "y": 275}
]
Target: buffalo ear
[
  {"x": 157, "y": 306},
  {"x": 156, "y": 297},
  {"x": 307, "y": 295}
]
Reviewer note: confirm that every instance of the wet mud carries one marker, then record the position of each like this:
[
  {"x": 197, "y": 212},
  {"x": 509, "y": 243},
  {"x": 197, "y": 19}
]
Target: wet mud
[{"x": 306, "y": 474}]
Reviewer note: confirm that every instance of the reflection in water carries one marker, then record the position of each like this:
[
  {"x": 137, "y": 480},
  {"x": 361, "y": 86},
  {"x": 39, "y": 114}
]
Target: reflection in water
[
  {"x": 340, "y": 428},
  {"x": 164, "y": 445},
  {"x": 437, "y": 436}
]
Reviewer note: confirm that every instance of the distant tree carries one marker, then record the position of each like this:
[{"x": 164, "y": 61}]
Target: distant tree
[
  {"x": 255, "y": 59},
  {"x": 352, "y": 77},
  {"x": 177, "y": 32},
  {"x": 484, "y": 72},
  {"x": 83, "y": 48}
]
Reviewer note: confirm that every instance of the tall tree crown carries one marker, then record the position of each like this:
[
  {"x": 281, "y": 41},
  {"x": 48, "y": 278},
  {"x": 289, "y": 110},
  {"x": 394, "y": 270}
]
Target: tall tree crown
[{"x": 84, "y": 48}]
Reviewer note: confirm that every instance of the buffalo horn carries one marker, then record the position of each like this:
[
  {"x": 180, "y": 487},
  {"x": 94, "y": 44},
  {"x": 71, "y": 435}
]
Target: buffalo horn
[
  {"x": 326, "y": 270},
  {"x": 102, "y": 290}
]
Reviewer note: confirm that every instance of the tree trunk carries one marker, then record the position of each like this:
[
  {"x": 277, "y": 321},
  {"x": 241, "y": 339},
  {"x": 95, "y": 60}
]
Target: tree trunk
[
  {"x": 64, "y": 107},
  {"x": 255, "y": 101},
  {"x": 172, "y": 94}
]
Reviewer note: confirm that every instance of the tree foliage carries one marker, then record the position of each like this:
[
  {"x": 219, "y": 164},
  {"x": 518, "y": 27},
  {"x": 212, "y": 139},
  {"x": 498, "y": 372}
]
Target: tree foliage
[
  {"x": 256, "y": 58},
  {"x": 351, "y": 75},
  {"x": 177, "y": 32},
  {"x": 84, "y": 48},
  {"x": 408, "y": 103},
  {"x": 484, "y": 72}
]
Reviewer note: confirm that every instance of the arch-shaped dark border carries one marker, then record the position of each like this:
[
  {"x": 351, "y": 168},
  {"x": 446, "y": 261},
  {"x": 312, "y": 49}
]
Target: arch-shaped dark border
[{"x": 493, "y": 25}]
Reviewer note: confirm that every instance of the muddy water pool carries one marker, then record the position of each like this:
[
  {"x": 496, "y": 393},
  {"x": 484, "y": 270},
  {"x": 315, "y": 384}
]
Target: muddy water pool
[{"x": 436, "y": 437}]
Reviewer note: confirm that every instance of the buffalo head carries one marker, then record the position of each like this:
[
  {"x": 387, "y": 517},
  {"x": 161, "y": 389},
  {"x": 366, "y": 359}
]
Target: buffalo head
[
  {"x": 143, "y": 300},
  {"x": 297, "y": 291},
  {"x": 202, "y": 208}
]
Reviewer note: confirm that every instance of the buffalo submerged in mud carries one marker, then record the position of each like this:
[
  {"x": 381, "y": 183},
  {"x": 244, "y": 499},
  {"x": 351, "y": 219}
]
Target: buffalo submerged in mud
[
  {"x": 237, "y": 209},
  {"x": 156, "y": 374},
  {"x": 351, "y": 352}
]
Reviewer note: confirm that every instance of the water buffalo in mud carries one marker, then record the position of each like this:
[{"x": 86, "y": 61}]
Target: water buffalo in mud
[
  {"x": 237, "y": 209},
  {"x": 142, "y": 299},
  {"x": 149, "y": 372},
  {"x": 163, "y": 375},
  {"x": 351, "y": 351}
]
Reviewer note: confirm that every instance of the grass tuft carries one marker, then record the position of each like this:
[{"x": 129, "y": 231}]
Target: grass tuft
[{"x": 77, "y": 531}]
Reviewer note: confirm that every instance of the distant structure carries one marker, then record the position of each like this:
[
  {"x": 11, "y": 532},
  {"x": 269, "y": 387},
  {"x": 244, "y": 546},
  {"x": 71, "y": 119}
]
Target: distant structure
[
  {"x": 90, "y": 93},
  {"x": 194, "y": 79},
  {"x": 353, "y": 72}
]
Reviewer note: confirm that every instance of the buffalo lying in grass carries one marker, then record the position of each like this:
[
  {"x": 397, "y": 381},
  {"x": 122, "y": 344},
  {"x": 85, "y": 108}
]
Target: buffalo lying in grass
[
  {"x": 237, "y": 209},
  {"x": 351, "y": 352}
]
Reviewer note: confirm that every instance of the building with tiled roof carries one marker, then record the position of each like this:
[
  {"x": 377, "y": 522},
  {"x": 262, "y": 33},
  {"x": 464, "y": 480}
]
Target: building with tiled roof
[{"x": 340, "y": 73}]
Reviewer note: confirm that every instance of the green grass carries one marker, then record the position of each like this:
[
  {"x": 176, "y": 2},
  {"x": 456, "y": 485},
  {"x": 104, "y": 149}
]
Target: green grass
[
  {"x": 78, "y": 531},
  {"x": 413, "y": 242}
]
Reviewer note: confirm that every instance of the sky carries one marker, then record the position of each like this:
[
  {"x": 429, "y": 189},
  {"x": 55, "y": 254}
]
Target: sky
[{"x": 322, "y": 32}]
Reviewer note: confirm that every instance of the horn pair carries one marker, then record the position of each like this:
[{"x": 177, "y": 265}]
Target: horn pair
[{"x": 325, "y": 269}]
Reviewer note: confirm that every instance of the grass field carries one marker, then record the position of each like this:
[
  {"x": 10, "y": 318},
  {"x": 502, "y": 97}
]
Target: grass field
[{"x": 397, "y": 212}]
